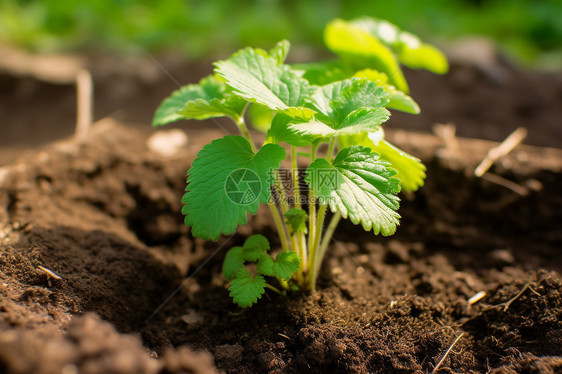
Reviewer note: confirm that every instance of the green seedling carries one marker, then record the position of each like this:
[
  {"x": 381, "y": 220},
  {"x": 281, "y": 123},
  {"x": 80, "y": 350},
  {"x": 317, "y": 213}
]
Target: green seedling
[{"x": 328, "y": 114}]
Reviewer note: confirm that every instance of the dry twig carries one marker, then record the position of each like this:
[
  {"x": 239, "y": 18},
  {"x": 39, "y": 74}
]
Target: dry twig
[
  {"x": 446, "y": 354},
  {"x": 496, "y": 153},
  {"x": 508, "y": 303},
  {"x": 517, "y": 188}
]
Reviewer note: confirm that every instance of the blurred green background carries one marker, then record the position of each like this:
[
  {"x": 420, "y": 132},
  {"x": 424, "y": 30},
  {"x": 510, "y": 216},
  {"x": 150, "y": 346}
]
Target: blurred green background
[{"x": 528, "y": 31}]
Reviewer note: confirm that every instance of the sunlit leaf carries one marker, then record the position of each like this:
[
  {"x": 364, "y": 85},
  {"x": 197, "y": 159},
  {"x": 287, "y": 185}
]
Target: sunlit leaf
[
  {"x": 210, "y": 98},
  {"x": 361, "y": 50},
  {"x": 215, "y": 203},
  {"x": 360, "y": 186},
  {"x": 397, "y": 99},
  {"x": 261, "y": 79}
]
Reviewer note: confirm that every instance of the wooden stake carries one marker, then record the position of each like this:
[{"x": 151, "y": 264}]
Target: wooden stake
[{"x": 84, "y": 103}]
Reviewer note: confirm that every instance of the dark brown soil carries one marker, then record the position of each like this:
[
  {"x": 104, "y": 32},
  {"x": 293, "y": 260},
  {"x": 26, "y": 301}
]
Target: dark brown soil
[{"x": 104, "y": 215}]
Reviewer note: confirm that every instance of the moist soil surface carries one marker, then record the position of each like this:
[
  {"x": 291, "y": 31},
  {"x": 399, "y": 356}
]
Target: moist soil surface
[
  {"x": 104, "y": 216},
  {"x": 138, "y": 294}
]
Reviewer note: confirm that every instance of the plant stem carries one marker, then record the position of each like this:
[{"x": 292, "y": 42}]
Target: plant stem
[
  {"x": 244, "y": 131},
  {"x": 284, "y": 208},
  {"x": 311, "y": 205},
  {"x": 282, "y": 193},
  {"x": 318, "y": 249},
  {"x": 279, "y": 224},
  {"x": 331, "y": 149},
  {"x": 314, "y": 250},
  {"x": 325, "y": 242},
  {"x": 274, "y": 289},
  {"x": 295, "y": 170},
  {"x": 301, "y": 242},
  {"x": 304, "y": 253}
]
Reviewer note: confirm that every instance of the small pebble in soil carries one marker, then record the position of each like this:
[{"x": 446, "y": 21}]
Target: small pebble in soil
[
  {"x": 192, "y": 317},
  {"x": 167, "y": 142},
  {"x": 502, "y": 257},
  {"x": 337, "y": 271}
]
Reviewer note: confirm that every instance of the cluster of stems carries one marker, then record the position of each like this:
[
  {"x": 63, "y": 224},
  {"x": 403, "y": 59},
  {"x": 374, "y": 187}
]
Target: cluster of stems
[{"x": 310, "y": 247}]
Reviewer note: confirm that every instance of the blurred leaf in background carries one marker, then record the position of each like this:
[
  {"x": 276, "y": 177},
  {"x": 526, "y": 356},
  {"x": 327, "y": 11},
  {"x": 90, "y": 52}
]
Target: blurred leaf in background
[{"x": 529, "y": 31}]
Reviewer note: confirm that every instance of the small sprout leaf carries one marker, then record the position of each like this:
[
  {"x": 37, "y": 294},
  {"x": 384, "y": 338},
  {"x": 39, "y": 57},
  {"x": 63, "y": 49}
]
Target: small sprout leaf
[
  {"x": 285, "y": 264},
  {"x": 226, "y": 181},
  {"x": 358, "y": 185},
  {"x": 245, "y": 289},
  {"x": 254, "y": 247},
  {"x": 296, "y": 219},
  {"x": 233, "y": 262}
]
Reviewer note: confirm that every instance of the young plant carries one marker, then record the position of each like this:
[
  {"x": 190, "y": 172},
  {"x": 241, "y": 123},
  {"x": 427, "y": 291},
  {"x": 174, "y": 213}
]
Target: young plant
[{"x": 330, "y": 114}]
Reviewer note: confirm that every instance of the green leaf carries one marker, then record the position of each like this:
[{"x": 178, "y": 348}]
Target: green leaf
[
  {"x": 260, "y": 117},
  {"x": 358, "y": 185},
  {"x": 280, "y": 132},
  {"x": 325, "y": 72},
  {"x": 410, "y": 169},
  {"x": 233, "y": 261},
  {"x": 361, "y": 49},
  {"x": 261, "y": 79},
  {"x": 296, "y": 219},
  {"x": 283, "y": 267},
  {"x": 397, "y": 99},
  {"x": 345, "y": 107},
  {"x": 426, "y": 57},
  {"x": 409, "y": 48},
  {"x": 167, "y": 112},
  {"x": 335, "y": 101},
  {"x": 350, "y": 106},
  {"x": 227, "y": 180},
  {"x": 254, "y": 247},
  {"x": 245, "y": 290},
  {"x": 280, "y": 51},
  {"x": 210, "y": 98},
  {"x": 365, "y": 139}
]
